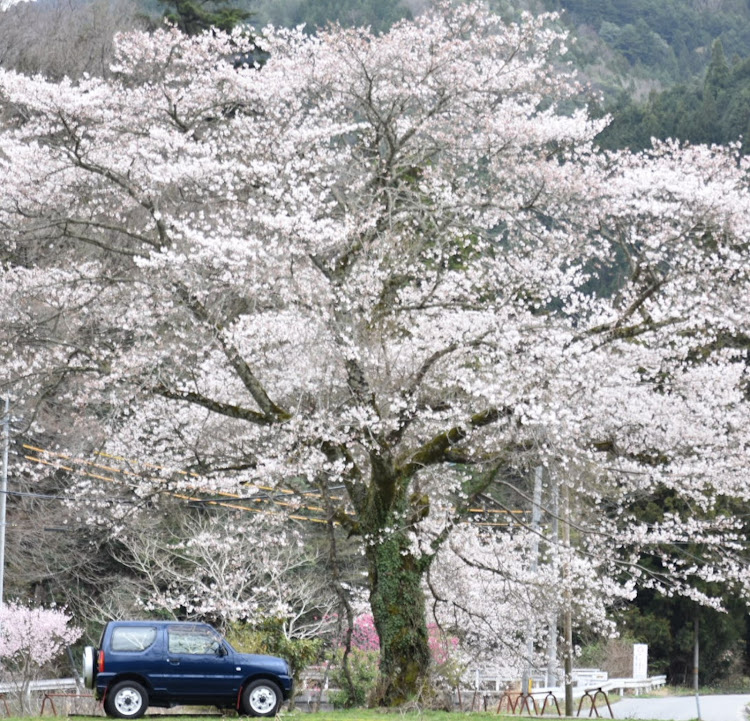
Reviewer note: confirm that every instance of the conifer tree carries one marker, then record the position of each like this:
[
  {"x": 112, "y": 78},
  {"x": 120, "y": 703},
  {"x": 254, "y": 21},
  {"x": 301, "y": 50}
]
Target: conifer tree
[
  {"x": 197, "y": 16},
  {"x": 717, "y": 75}
]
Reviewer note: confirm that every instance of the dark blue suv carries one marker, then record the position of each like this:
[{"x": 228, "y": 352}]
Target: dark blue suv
[{"x": 164, "y": 663}]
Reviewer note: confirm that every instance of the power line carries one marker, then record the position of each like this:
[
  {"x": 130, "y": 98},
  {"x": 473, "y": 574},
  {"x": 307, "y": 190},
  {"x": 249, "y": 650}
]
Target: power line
[
  {"x": 65, "y": 459},
  {"x": 47, "y": 496},
  {"x": 195, "y": 499},
  {"x": 175, "y": 494},
  {"x": 226, "y": 494},
  {"x": 125, "y": 472}
]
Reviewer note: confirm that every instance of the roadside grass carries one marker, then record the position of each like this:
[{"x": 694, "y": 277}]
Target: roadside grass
[
  {"x": 348, "y": 715},
  {"x": 361, "y": 714},
  {"x": 685, "y": 691}
]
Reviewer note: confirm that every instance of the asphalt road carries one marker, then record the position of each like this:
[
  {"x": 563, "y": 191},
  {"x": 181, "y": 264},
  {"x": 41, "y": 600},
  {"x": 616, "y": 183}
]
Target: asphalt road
[{"x": 682, "y": 708}]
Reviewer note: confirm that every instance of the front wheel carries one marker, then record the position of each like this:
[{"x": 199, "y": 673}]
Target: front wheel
[
  {"x": 127, "y": 699},
  {"x": 261, "y": 698}
]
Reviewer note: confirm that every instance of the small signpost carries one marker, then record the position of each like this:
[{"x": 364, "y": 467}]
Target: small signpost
[{"x": 640, "y": 661}]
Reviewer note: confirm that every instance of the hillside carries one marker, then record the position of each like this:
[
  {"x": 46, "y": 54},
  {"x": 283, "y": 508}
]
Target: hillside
[
  {"x": 631, "y": 45},
  {"x": 715, "y": 109},
  {"x": 667, "y": 40},
  {"x": 622, "y": 46}
]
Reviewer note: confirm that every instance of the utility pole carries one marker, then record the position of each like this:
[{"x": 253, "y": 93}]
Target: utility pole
[
  {"x": 536, "y": 517},
  {"x": 567, "y": 610},
  {"x": 552, "y": 675},
  {"x": 4, "y": 494},
  {"x": 696, "y": 656}
]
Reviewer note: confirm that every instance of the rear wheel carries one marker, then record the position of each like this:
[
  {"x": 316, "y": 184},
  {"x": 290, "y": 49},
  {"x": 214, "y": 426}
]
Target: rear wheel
[
  {"x": 261, "y": 698},
  {"x": 127, "y": 699}
]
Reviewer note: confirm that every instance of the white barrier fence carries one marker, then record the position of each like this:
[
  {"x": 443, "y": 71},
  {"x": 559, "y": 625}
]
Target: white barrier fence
[
  {"x": 56, "y": 684},
  {"x": 483, "y": 689},
  {"x": 583, "y": 678},
  {"x": 60, "y": 696}
]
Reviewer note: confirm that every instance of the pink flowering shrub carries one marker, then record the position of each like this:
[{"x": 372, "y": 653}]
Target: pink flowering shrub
[
  {"x": 442, "y": 646},
  {"x": 365, "y": 635},
  {"x": 30, "y": 638},
  {"x": 365, "y": 638}
]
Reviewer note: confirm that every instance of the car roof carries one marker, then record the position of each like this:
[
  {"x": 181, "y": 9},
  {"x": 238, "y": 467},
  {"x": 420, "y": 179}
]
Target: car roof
[{"x": 151, "y": 622}]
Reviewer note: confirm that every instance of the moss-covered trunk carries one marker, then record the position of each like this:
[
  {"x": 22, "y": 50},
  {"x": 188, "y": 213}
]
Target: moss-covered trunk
[{"x": 398, "y": 608}]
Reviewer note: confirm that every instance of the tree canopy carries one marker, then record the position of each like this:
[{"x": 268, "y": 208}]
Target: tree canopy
[{"x": 197, "y": 16}]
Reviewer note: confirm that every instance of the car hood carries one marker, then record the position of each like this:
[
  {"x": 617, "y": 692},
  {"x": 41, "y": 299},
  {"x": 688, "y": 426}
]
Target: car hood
[{"x": 271, "y": 663}]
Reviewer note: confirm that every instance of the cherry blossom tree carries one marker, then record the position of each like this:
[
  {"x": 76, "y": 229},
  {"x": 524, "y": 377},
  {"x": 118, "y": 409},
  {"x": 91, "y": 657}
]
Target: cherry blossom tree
[
  {"x": 505, "y": 597},
  {"x": 391, "y": 271},
  {"x": 30, "y": 639},
  {"x": 249, "y": 568}
]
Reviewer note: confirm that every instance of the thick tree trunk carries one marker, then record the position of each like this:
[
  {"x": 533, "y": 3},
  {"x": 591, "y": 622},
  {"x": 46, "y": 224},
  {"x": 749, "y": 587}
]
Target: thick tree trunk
[{"x": 398, "y": 609}]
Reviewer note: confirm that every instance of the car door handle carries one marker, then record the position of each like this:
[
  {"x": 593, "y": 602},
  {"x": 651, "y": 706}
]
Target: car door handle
[{"x": 174, "y": 661}]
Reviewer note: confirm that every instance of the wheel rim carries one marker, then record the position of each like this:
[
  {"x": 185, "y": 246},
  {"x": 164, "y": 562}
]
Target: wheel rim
[
  {"x": 128, "y": 701},
  {"x": 262, "y": 700}
]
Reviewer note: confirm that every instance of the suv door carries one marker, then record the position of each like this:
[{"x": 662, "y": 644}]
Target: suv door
[
  {"x": 130, "y": 647},
  {"x": 199, "y": 667}
]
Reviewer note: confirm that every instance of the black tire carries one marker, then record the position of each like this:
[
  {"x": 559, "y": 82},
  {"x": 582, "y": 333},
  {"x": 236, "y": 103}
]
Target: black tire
[
  {"x": 127, "y": 699},
  {"x": 261, "y": 698},
  {"x": 89, "y": 666}
]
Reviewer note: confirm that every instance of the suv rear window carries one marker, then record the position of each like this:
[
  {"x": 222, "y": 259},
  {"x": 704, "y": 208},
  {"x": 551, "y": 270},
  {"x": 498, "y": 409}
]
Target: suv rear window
[{"x": 132, "y": 638}]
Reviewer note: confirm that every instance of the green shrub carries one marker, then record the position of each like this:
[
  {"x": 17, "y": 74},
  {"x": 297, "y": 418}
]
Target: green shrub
[
  {"x": 268, "y": 637},
  {"x": 363, "y": 669}
]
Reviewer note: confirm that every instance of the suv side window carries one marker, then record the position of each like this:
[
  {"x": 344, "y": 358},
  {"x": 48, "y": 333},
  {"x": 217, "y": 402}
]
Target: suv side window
[
  {"x": 132, "y": 638},
  {"x": 192, "y": 640}
]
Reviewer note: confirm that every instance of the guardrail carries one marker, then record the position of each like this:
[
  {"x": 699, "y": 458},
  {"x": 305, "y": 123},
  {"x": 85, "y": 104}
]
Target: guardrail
[
  {"x": 55, "y": 684},
  {"x": 638, "y": 685},
  {"x": 589, "y": 676},
  {"x": 21, "y": 697}
]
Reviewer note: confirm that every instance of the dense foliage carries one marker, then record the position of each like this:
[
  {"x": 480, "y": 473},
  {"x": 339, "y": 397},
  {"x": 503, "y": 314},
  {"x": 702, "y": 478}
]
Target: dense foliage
[
  {"x": 717, "y": 110},
  {"x": 671, "y": 38},
  {"x": 197, "y": 16},
  {"x": 379, "y": 15},
  {"x": 667, "y": 626}
]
